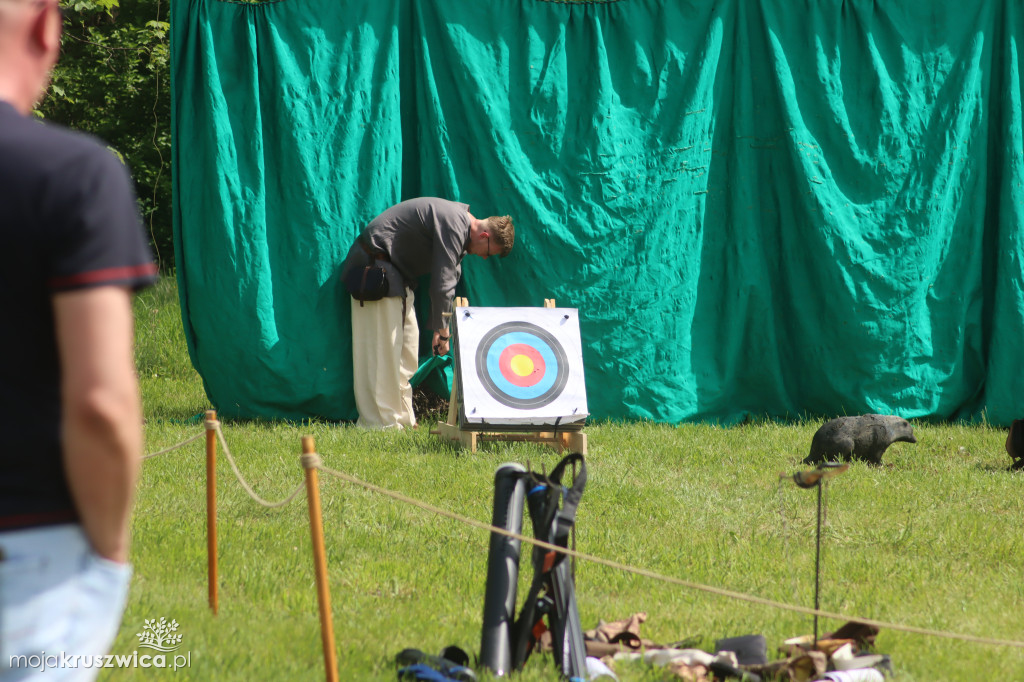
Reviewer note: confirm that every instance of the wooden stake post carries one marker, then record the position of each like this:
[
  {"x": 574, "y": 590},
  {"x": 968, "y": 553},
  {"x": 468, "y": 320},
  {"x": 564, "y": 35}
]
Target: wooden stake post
[
  {"x": 211, "y": 508},
  {"x": 323, "y": 590},
  {"x": 570, "y": 437}
]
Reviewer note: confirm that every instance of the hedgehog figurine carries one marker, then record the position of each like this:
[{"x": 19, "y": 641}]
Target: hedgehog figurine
[{"x": 865, "y": 438}]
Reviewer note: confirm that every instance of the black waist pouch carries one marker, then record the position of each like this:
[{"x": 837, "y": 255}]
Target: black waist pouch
[{"x": 367, "y": 283}]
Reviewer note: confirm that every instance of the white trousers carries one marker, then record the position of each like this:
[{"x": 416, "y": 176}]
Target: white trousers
[
  {"x": 60, "y": 604},
  {"x": 384, "y": 358}
]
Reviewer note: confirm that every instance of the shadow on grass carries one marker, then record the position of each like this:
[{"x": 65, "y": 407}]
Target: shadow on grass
[{"x": 993, "y": 468}]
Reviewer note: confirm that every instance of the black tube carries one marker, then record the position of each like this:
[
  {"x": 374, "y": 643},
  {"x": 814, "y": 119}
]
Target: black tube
[{"x": 503, "y": 569}]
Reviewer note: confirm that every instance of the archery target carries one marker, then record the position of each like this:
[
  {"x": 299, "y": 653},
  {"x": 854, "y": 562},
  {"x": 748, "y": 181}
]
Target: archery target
[{"x": 520, "y": 365}]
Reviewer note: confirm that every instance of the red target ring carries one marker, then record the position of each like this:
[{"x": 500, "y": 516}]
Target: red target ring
[{"x": 521, "y": 365}]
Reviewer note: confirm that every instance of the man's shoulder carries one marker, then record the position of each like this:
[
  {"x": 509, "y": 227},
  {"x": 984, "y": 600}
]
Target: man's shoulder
[
  {"x": 29, "y": 142},
  {"x": 435, "y": 203},
  {"x": 423, "y": 213}
]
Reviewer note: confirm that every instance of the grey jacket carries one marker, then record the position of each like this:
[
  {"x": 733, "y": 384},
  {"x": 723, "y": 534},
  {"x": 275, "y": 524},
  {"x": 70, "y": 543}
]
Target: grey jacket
[{"x": 419, "y": 237}]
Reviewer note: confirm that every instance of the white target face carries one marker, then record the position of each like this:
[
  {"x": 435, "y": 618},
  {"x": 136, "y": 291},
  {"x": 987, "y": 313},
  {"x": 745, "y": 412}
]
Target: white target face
[{"x": 521, "y": 365}]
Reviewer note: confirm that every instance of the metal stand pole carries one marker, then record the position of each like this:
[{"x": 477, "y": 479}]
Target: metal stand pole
[{"x": 817, "y": 567}]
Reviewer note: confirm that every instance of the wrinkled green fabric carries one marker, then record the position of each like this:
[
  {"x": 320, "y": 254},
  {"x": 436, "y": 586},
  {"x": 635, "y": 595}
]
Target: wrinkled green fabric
[
  {"x": 760, "y": 207},
  {"x": 287, "y": 140}
]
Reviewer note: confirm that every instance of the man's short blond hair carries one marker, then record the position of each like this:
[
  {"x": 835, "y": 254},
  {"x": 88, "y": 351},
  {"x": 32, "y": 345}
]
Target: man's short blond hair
[{"x": 503, "y": 231}]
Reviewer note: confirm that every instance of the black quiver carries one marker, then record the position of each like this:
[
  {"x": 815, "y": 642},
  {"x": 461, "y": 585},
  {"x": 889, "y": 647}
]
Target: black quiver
[
  {"x": 552, "y": 593},
  {"x": 503, "y": 569}
]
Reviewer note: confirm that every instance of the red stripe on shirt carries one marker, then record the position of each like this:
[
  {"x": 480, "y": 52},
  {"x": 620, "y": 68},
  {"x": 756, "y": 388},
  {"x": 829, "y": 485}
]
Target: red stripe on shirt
[{"x": 104, "y": 275}]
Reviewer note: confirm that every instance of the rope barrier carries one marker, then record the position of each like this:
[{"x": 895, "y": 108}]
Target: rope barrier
[
  {"x": 664, "y": 578},
  {"x": 214, "y": 425},
  {"x": 241, "y": 479},
  {"x": 312, "y": 461},
  {"x": 173, "y": 447}
]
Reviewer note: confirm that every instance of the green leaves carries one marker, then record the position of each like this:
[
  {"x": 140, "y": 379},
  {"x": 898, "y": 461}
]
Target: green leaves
[
  {"x": 86, "y": 6},
  {"x": 112, "y": 81}
]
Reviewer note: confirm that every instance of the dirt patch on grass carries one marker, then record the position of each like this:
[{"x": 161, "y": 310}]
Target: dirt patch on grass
[{"x": 429, "y": 406}]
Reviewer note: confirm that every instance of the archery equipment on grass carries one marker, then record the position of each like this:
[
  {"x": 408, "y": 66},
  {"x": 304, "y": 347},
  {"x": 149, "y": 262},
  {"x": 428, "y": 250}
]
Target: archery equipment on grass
[{"x": 552, "y": 595}]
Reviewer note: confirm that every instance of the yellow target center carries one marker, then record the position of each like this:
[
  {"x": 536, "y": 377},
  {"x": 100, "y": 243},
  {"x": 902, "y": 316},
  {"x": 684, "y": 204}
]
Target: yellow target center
[{"x": 522, "y": 365}]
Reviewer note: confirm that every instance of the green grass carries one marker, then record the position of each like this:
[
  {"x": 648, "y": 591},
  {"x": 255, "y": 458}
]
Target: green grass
[{"x": 932, "y": 539}]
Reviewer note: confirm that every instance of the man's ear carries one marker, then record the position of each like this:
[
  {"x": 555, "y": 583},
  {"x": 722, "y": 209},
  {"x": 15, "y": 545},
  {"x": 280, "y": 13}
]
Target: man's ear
[{"x": 46, "y": 30}]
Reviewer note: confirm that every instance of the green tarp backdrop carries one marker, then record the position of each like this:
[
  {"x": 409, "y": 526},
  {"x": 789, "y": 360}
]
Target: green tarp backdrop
[{"x": 760, "y": 207}]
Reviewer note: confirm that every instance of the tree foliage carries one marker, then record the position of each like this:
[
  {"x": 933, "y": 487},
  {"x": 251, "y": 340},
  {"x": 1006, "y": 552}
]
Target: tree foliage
[{"x": 113, "y": 81}]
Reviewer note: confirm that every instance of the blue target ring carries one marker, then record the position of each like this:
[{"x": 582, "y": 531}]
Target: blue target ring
[{"x": 543, "y": 389}]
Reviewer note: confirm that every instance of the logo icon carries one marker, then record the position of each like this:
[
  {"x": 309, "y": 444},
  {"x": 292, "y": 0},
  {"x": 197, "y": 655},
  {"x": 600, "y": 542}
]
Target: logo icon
[{"x": 159, "y": 635}]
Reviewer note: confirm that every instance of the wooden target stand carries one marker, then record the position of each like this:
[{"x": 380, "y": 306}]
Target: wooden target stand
[{"x": 569, "y": 437}]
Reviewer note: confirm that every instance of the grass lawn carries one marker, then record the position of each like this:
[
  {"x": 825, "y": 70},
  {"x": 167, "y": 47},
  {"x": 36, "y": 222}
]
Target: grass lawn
[{"x": 932, "y": 539}]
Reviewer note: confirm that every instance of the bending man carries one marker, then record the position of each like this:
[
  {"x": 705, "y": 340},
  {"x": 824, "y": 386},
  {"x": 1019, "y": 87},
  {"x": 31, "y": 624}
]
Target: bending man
[{"x": 414, "y": 238}]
